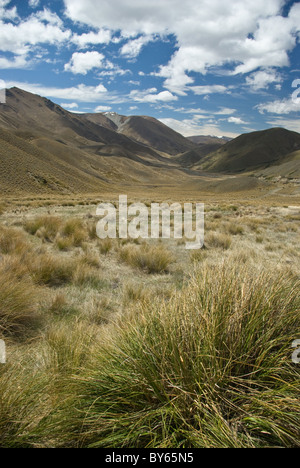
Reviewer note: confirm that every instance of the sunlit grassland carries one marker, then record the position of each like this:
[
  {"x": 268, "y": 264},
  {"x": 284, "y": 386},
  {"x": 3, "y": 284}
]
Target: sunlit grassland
[{"x": 143, "y": 343}]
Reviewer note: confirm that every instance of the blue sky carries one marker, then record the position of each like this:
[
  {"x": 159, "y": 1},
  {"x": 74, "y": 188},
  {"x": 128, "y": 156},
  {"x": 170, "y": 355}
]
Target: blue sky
[{"x": 200, "y": 66}]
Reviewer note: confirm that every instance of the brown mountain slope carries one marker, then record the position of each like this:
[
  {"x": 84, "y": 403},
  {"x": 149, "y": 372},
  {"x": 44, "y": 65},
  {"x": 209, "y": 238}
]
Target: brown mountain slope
[
  {"x": 26, "y": 112},
  {"x": 155, "y": 134},
  {"x": 194, "y": 156},
  {"x": 25, "y": 168},
  {"x": 45, "y": 149},
  {"x": 46, "y": 166},
  {"x": 252, "y": 151}
]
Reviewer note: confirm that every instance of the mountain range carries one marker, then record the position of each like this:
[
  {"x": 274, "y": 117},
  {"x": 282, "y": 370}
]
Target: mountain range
[{"x": 46, "y": 149}]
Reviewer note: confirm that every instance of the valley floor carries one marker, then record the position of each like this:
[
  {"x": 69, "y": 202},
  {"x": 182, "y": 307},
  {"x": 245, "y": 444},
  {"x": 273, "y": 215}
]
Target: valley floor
[{"x": 142, "y": 343}]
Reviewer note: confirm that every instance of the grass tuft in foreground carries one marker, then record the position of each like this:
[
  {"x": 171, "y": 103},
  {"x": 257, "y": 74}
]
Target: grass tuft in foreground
[{"x": 210, "y": 368}]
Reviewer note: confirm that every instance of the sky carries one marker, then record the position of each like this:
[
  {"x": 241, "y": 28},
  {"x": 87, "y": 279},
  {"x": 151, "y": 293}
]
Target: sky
[{"x": 202, "y": 67}]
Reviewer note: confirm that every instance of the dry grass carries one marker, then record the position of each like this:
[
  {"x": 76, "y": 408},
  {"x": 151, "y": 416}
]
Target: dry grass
[
  {"x": 50, "y": 270},
  {"x": 45, "y": 227},
  {"x": 13, "y": 241},
  {"x": 75, "y": 231},
  {"x": 151, "y": 259},
  {"x": 105, "y": 245},
  {"x": 218, "y": 240},
  {"x": 198, "y": 357},
  {"x": 210, "y": 368},
  {"x": 19, "y": 312}
]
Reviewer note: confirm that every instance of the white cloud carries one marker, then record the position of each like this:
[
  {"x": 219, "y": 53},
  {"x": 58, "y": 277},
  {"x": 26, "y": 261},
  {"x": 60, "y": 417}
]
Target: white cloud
[
  {"x": 22, "y": 38},
  {"x": 133, "y": 48},
  {"x": 191, "y": 128},
  {"x": 212, "y": 89},
  {"x": 102, "y": 109},
  {"x": 71, "y": 105},
  {"x": 236, "y": 120},
  {"x": 151, "y": 96},
  {"x": 82, "y": 63},
  {"x": 19, "y": 61},
  {"x": 225, "y": 111},
  {"x": 81, "y": 93},
  {"x": 285, "y": 106},
  {"x": 34, "y": 3},
  {"x": 247, "y": 35},
  {"x": 103, "y": 36},
  {"x": 5, "y": 13},
  {"x": 263, "y": 79}
]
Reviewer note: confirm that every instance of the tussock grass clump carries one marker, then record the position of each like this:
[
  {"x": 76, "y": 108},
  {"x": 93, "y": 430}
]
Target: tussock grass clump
[
  {"x": 133, "y": 292},
  {"x": 64, "y": 243},
  {"x": 68, "y": 349},
  {"x": 24, "y": 397},
  {"x": 218, "y": 240},
  {"x": 152, "y": 259},
  {"x": 61, "y": 308},
  {"x": 50, "y": 270},
  {"x": 12, "y": 241},
  {"x": 74, "y": 230},
  {"x": 19, "y": 313},
  {"x": 85, "y": 276},
  {"x": 210, "y": 368},
  {"x": 198, "y": 255},
  {"x": 45, "y": 227},
  {"x": 105, "y": 246},
  {"x": 234, "y": 229}
]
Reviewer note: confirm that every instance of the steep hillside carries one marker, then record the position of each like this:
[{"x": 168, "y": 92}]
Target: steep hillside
[
  {"x": 25, "y": 168},
  {"x": 258, "y": 150},
  {"x": 26, "y": 112},
  {"x": 155, "y": 134},
  {"x": 194, "y": 156}
]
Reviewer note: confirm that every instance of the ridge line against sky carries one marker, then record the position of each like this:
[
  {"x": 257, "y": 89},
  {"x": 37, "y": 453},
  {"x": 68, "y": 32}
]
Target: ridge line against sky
[{"x": 199, "y": 66}]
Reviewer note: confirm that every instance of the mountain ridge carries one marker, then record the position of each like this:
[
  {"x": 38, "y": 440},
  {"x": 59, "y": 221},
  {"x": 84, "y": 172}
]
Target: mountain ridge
[{"x": 46, "y": 149}]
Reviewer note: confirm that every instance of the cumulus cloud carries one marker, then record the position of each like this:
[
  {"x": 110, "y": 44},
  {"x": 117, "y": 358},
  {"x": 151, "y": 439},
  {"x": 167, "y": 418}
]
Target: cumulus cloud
[
  {"x": 21, "y": 38},
  {"x": 263, "y": 79},
  {"x": 19, "y": 61},
  {"x": 191, "y": 127},
  {"x": 102, "y": 109},
  {"x": 247, "y": 35},
  {"x": 212, "y": 89},
  {"x": 82, "y": 63},
  {"x": 151, "y": 96},
  {"x": 71, "y": 105},
  {"x": 284, "y": 106},
  {"x": 80, "y": 93},
  {"x": 133, "y": 48},
  {"x": 34, "y": 3},
  {"x": 103, "y": 36},
  {"x": 7, "y": 13},
  {"x": 236, "y": 120}
]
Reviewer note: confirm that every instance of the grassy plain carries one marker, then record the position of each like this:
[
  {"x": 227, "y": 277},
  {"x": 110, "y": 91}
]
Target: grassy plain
[{"x": 143, "y": 343}]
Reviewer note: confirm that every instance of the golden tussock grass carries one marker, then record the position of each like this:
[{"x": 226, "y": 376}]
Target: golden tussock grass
[
  {"x": 218, "y": 240},
  {"x": 19, "y": 307},
  {"x": 151, "y": 259},
  {"x": 13, "y": 241}
]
